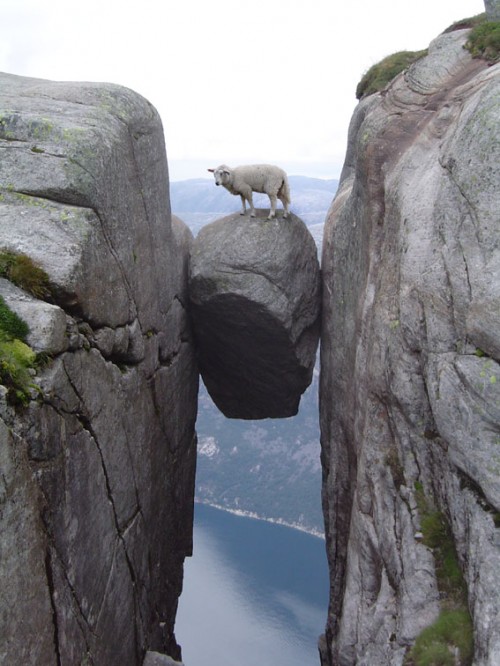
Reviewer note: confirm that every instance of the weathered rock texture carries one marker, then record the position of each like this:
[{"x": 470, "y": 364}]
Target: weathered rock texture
[
  {"x": 411, "y": 265},
  {"x": 255, "y": 302},
  {"x": 97, "y": 479},
  {"x": 492, "y": 9},
  {"x": 157, "y": 659}
]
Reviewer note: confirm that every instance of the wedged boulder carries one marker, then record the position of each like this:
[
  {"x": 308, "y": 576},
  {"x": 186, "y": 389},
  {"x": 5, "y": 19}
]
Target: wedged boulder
[{"x": 255, "y": 303}]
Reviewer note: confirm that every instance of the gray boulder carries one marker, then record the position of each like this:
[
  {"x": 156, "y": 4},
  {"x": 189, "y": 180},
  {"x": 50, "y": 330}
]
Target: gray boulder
[
  {"x": 410, "y": 357},
  {"x": 97, "y": 482},
  {"x": 255, "y": 302}
]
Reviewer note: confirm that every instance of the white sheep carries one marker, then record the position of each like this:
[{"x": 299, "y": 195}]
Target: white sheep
[{"x": 244, "y": 180}]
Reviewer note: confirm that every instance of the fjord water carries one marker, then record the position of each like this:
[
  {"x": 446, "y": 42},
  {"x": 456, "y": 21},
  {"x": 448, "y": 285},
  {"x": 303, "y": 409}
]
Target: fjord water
[{"x": 255, "y": 593}]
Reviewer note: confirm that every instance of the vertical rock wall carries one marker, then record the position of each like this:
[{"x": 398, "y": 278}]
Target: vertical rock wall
[
  {"x": 410, "y": 358},
  {"x": 97, "y": 482}
]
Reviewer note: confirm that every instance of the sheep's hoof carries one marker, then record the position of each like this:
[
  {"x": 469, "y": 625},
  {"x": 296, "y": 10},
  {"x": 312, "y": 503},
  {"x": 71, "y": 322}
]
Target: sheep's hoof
[{"x": 253, "y": 215}]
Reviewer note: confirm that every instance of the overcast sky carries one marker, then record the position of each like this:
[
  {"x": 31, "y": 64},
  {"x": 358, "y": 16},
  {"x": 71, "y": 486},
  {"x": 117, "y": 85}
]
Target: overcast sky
[{"x": 234, "y": 81}]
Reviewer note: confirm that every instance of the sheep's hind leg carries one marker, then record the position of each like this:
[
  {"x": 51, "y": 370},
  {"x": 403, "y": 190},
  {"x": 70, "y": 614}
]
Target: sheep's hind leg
[{"x": 285, "y": 205}]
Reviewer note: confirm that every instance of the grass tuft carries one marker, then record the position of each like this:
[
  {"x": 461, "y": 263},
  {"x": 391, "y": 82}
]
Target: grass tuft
[
  {"x": 438, "y": 644},
  {"x": 484, "y": 41},
  {"x": 449, "y": 640},
  {"x": 466, "y": 23},
  {"x": 24, "y": 272},
  {"x": 11, "y": 325},
  {"x": 380, "y": 74}
]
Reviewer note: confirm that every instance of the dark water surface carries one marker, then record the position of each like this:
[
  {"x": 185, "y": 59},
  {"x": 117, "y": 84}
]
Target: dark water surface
[{"x": 255, "y": 594}]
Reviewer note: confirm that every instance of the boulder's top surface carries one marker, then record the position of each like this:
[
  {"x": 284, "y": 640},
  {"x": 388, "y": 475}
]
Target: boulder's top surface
[{"x": 255, "y": 296}]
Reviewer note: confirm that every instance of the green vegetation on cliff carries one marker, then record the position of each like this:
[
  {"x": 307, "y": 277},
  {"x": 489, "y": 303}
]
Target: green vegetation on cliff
[
  {"x": 436, "y": 645},
  {"x": 484, "y": 38},
  {"x": 23, "y": 272},
  {"x": 449, "y": 640},
  {"x": 380, "y": 74},
  {"x": 484, "y": 41},
  {"x": 17, "y": 359}
]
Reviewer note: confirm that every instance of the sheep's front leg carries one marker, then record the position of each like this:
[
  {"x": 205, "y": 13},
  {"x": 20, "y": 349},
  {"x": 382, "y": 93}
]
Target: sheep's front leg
[
  {"x": 272, "y": 212},
  {"x": 250, "y": 202},
  {"x": 243, "y": 205},
  {"x": 246, "y": 193}
]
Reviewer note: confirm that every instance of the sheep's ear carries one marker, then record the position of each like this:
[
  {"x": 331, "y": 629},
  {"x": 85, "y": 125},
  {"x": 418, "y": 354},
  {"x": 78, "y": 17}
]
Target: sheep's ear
[
  {"x": 226, "y": 171},
  {"x": 211, "y": 170}
]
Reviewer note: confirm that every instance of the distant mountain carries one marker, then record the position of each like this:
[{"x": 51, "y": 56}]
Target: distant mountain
[
  {"x": 199, "y": 201},
  {"x": 271, "y": 467}
]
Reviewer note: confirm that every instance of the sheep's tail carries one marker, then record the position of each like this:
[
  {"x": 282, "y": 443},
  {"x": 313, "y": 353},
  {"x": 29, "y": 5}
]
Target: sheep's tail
[{"x": 284, "y": 193}]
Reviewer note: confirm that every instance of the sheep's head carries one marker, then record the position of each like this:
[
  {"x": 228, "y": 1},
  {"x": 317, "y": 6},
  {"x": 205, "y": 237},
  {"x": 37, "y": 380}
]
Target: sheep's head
[{"x": 222, "y": 174}]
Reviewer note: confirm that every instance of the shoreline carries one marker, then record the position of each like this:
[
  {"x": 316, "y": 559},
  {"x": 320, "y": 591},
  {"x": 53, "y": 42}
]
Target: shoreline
[{"x": 250, "y": 514}]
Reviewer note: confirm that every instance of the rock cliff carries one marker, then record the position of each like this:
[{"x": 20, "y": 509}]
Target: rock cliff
[
  {"x": 410, "y": 374},
  {"x": 97, "y": 472}
]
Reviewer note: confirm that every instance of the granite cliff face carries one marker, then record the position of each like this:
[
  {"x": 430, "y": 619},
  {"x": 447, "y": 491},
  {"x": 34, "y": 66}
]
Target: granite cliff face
[
  {"x": 97, "y": 480},
  {"x": 410, "y": 354}
]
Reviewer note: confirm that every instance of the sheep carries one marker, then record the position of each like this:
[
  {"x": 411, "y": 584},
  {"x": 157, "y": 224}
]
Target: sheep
[{"x": 244, "y": 180}]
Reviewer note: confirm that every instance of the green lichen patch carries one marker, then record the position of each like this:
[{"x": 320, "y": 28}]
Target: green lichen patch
[
  {"x": 380, "y": 74},
  {"x": 6, "y": 132}
]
